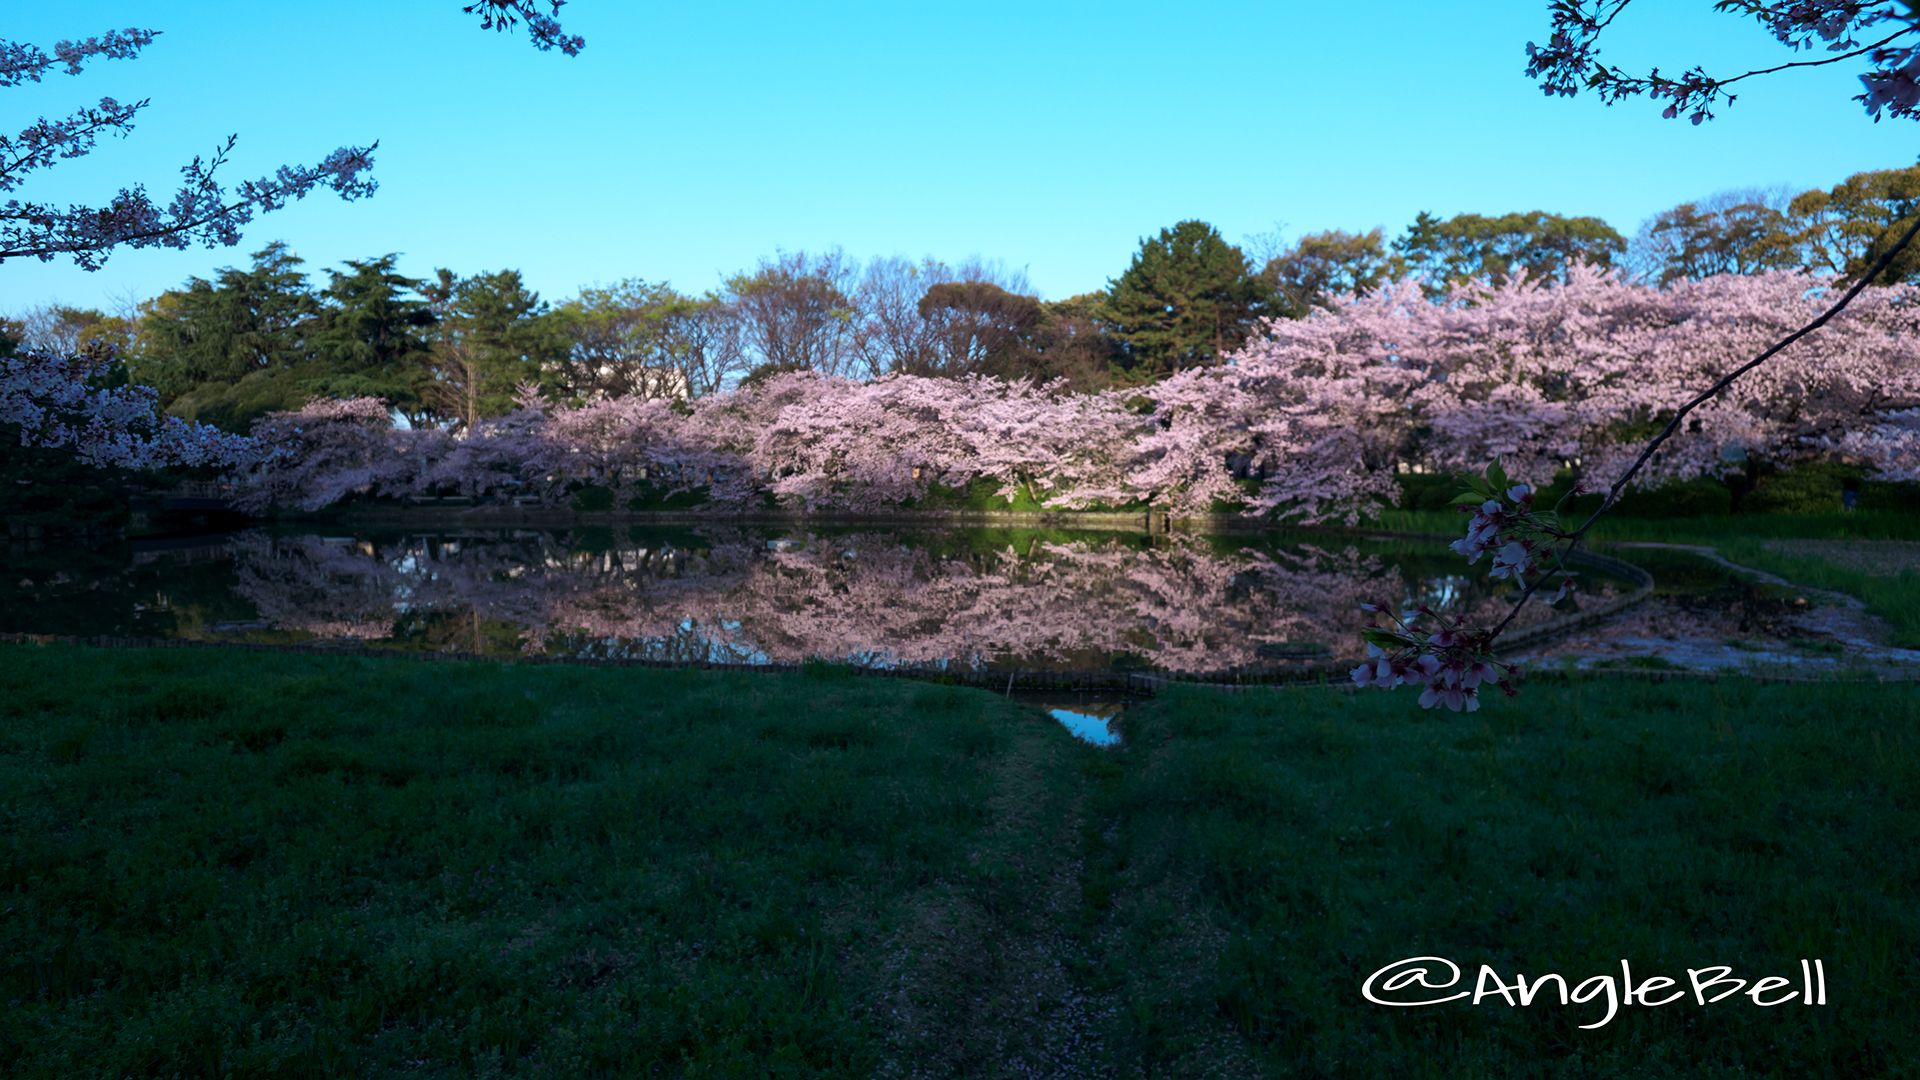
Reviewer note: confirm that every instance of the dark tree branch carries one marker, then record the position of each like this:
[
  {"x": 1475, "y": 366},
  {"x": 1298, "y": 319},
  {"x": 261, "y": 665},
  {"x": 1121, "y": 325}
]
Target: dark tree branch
[
  {"x": 202, "y": 211},
  {"x": 26, "y": 63},
  {"x": 1646, "y": 454},
  {"x": 45, "y": 141},
  {"x": 544, "y": 29}
]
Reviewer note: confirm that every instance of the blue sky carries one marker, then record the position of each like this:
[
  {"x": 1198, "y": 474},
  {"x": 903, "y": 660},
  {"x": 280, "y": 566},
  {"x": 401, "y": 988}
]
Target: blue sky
[{"x": 689, "y": 140}]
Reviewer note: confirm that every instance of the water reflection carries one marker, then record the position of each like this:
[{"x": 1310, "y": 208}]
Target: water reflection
[
  {"x": 1091, "y": 727},
  {"x": 951, "y": 599}
]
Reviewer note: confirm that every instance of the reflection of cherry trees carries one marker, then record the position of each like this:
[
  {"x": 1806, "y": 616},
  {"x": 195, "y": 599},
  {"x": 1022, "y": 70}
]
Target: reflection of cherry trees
[{"x": 1184, "y": 603}]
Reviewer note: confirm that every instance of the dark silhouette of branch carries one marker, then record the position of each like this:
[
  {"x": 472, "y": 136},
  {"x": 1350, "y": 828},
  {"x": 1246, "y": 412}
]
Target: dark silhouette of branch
[
  {"x": 1646, "y": 454},
  {"x": 544, "y": 29}
]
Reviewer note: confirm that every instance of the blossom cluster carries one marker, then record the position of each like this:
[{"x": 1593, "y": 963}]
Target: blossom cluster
[
  {"x": 1450, "y": 663},
  {"x": 1506, "y": 523},
  {"x": 1453, "y": 660},
  {"x": 203, "y": 210},
  {"x": 49, "y": 402},
  {"x": 1568, "y": 62}
]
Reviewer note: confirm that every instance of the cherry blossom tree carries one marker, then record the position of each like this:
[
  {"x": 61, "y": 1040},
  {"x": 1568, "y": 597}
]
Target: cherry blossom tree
[
  {"x": 54, "y": 402},
  {"x": 317, "y": 455},
  {"x": 1308, "y": 422},
  {"x": 1531, "y": 541}
]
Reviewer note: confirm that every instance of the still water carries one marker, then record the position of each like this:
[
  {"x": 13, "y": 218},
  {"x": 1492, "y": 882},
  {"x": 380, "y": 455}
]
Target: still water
[{"x": 948, "y": 599}]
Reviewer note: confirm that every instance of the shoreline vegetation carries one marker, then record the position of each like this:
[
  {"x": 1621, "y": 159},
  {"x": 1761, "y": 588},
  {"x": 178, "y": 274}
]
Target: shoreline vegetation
[{"x": 234, "y": 863}]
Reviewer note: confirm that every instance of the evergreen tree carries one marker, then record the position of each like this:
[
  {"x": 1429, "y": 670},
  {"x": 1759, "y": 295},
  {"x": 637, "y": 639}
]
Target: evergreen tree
[
  {"x": 227, "y": 351},
  {"x": 371, "y": 338},
  {"x": 1189, "y": 299},
  {"x": 257, "y": 319},
  {"x": 493, "y": 334}
]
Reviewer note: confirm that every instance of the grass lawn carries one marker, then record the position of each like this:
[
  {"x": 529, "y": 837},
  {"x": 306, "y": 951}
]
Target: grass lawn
[{"x": 242, "y": 864}]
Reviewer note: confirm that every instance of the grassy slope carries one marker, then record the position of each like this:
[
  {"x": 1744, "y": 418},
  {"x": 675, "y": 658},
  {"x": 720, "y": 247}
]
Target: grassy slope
[{"x": 252, "y": 864}]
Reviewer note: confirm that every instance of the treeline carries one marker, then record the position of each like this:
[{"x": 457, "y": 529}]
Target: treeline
[{"x": 450, "y": 350}]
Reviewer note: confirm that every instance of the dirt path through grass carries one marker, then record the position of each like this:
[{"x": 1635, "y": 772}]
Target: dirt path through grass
[{"x": 982, "y": 974}]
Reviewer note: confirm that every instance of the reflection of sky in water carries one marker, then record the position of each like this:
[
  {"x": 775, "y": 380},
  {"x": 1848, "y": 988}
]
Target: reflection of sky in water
[
  {"x": 1441, "y": 593},
  {"x": 1091, "y": 728}
]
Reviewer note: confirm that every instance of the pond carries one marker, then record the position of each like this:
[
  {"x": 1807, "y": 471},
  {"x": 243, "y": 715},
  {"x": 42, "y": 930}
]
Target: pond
[{"x": 950, "y": 600}]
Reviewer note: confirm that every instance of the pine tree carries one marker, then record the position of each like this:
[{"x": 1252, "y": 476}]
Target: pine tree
[{"x": 1189, "y": 299}]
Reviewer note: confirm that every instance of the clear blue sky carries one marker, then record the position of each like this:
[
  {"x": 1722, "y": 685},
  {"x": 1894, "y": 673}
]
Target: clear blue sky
[{"x": 690, "y": 139}]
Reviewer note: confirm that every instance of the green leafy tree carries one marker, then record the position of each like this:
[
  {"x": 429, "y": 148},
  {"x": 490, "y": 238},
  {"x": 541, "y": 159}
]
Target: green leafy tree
[
  {"x": 66, "y": 331},
  {"x": 1845, "y": 230},
  {"x": 1323, "y": 266},
  {"x": 1734, "y": 232},
  {"x": 646, "y": 338},
  {"x": 1188, "y": 299},
  {"x": 1470, "y": 246},
  {"x": 1071, "y": 344}
]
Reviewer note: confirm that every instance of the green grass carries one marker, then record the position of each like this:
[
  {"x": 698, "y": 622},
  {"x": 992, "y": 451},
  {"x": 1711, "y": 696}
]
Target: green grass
[
  {"x": 1270, "y": 851},
  {"x": 241, "y": 864}
]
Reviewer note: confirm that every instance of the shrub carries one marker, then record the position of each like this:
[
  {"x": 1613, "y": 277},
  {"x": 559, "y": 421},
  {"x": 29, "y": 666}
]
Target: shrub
[
  {"x": 592, "y": 498},
  {"x": 1428, "y": 491},
  {"x": 1691, "y": 498},
  {"x": 1813, "y": 487},
  {"x": 1900, "y": 497}
]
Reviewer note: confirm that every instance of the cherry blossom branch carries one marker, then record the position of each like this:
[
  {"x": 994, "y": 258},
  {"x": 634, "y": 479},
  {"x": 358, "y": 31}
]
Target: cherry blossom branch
[
  {"x": 1673, "y": 425},
  {"x": 201, "y": 210},
  {"x": 26, "y": 63},
  {"x": 1567, "y": 62},
  {"x": 503, "y": 15}
]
